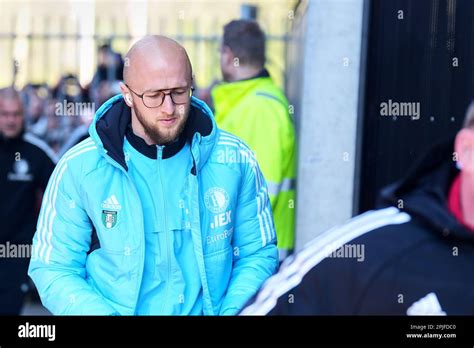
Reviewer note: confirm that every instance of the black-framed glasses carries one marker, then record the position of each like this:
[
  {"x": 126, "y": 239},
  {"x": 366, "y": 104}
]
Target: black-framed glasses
[{"x": 179, "y": 95}]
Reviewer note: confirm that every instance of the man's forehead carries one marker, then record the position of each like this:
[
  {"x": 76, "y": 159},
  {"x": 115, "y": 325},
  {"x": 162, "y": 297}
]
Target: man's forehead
[
  {"x": 10, "y": 103},
  {"x": 146, "y": 62},
  {"x": 153, "y": 76}
]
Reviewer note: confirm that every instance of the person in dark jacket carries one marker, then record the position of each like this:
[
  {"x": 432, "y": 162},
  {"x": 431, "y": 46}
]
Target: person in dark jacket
[
  {"x": 413, "y": 256},
  {"x": 26, "y": 164}
]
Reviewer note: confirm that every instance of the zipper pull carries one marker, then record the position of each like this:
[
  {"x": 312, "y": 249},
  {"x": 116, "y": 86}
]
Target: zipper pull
[{"x": 160, "y": 151}]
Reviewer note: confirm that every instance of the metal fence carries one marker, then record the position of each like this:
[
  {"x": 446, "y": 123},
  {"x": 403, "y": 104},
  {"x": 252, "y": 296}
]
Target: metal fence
[{"x": 57, "y": 46}]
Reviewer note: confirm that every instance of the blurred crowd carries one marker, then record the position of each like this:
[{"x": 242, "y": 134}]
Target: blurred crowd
[{"x": 43, "y": 104}]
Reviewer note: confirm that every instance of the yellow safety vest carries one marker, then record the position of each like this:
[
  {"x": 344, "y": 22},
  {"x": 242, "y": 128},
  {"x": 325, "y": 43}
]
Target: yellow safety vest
[{"x": 256, "y": 111}]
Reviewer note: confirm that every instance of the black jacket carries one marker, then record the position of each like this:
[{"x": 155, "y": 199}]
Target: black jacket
[
  {"x": 413, "y": 251},
  {"x": 26, "y": 164}
]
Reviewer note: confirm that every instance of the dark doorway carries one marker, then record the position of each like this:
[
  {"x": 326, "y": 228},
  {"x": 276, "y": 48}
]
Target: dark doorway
[{"x": 419, "y": 52}]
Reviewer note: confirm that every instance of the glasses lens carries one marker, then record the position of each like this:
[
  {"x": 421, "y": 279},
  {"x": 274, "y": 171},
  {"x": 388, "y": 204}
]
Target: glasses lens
[
  {"x": 153, "y": 100},
  {"x": 180, "y": 96}
]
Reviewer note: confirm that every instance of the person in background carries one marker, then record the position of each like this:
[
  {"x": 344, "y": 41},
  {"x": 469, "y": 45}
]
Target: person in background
[
  {"x": 35, "y": 97},
  {"x": 64, "y": 109},
  {"x": 108, "y": 75},
  {"x": 413, "y": 256},
  {"x": 58, "y": 129},
  {"x": 250, "y": 105},
  {"x": 80, "y": 133},
  {"x": 26, "y": 163}
]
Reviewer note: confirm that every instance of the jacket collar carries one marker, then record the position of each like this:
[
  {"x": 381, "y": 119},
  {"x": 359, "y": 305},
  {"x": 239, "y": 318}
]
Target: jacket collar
[
  {"x": 150, "y": 150},
  {"x": 262, "y": 73},
  {"x": 11, "y": 142},
  {"x": 112, "y": 120},
  {"x": 226, "y": 95}
]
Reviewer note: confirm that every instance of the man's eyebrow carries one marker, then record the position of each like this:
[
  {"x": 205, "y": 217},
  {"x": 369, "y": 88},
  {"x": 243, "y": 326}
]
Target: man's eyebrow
[{"x": 163, "y": 89}]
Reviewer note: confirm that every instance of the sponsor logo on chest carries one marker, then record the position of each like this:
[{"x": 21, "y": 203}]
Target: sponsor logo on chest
[
  {"x": 217, "y": 200},
  {"x": 20, "y": 171}
]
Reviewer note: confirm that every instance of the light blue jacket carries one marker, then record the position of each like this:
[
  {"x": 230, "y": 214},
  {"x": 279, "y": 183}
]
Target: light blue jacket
[{"x": 89, "y": 247}]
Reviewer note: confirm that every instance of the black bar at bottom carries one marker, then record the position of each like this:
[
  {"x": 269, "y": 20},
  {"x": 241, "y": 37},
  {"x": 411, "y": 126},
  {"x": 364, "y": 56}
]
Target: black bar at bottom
[{"x": 429, "y": 331}]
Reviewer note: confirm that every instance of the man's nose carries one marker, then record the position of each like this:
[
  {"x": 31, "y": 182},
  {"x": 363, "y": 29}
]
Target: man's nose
[
  {"x": 168, "y": 106},
  {"x": 12, "y": 117}
]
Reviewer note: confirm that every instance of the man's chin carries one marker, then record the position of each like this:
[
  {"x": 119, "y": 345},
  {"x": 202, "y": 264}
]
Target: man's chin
[
  {"x": 162, "y": 134},
  {"x": 164, "y": 137},
  {"x": 10, "y": 135}
]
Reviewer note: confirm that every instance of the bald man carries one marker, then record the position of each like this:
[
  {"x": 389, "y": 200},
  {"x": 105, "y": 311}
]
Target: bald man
[
  {"x": 26, "y": 164},
  {"x": 158, "y": 212}
]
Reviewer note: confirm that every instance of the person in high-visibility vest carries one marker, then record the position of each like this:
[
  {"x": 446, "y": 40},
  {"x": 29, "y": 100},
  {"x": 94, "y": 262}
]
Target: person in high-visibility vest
[{"x": 250, "y": 105}]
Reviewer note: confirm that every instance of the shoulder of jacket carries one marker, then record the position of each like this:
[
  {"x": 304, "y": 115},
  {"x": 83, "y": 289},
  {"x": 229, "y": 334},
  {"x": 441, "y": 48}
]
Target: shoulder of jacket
[
  {"x": 41, "y": 145},
  {"x": 82, "y": 158},
  {"x": 364, "y": 226},
  {"x": 269, "y": 90},
  {"x": 340, "y": 246},
  {"x": 232, "y": 151},
  {"x": 271, "y": 106},
  {"x": 358, "y": 226}
]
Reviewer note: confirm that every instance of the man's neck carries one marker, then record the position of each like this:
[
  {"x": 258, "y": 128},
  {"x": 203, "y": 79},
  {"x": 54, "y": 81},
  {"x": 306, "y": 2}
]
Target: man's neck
[
  {"x": 467, "y": 198},
  {"x": 244, "y": 73},
  {"x": 5, "y": 139}
]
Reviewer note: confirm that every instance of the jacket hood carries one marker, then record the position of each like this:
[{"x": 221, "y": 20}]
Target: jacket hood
[
  {"x": 425, "y": 189},
  {"x": 111, "y": 121}
]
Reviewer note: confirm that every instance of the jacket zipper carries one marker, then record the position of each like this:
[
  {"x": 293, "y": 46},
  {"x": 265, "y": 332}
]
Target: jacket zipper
[{"x": 163, "y": 211}]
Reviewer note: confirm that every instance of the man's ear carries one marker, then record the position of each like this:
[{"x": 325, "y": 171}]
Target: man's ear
[
  {"x": 228, "y": 55},
  {"x": 464, "y": 147},
  {"x": 126, "y": 94}
]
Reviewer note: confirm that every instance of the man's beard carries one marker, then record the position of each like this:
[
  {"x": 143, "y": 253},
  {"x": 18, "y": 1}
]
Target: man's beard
[{"x": 160, "y": 136}]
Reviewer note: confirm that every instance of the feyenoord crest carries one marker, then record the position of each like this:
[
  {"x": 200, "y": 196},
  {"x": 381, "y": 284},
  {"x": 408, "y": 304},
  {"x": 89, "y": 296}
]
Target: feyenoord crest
[
  {"x": 216, "y": 200},
  {"x": 110, "y": 207},
  {"x": 109, "y": 218}
]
